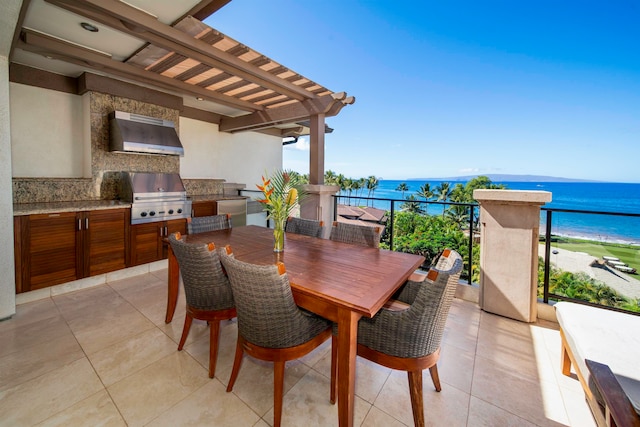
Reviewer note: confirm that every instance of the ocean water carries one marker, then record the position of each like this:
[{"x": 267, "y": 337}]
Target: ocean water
[{"x": 590, "y": 196}]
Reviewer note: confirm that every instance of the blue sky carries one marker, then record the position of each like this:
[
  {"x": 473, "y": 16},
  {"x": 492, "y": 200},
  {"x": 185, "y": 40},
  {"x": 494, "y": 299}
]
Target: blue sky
[{"x": 456, "y": 88}]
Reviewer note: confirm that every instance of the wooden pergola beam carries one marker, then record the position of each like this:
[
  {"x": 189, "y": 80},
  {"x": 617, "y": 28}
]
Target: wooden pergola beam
[
  {"x": 283, "y": 133},
  {"x": 205, "y": 8},
  {"x": 58, "y": 49},
  {"x": 137, "y": 23},
  {"x": 328, "y": 105}
]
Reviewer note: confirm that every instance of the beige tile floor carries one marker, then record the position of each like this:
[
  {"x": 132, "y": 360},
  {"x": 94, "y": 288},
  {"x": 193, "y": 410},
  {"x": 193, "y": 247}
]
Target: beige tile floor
[{"x": 104, "y": 356}]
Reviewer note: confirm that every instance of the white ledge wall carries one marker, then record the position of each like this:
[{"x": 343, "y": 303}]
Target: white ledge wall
[{"x": 509, "y": 230}]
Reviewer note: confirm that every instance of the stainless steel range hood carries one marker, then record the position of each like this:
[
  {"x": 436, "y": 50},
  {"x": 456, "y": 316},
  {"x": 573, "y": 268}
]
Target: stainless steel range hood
[{"x": 133, "y": 133}]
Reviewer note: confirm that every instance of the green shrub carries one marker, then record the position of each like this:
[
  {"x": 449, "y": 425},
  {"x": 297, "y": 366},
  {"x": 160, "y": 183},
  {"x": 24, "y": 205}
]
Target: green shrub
[
  {"x": 583, "y": 287},
  {"x": 428, "y": 235}
]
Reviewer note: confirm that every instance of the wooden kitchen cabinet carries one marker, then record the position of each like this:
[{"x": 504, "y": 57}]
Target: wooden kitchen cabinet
[
  {"x": 61, "y": 247},
  {"x": 105, "y": 240},
  {"x": 204, "y": 208},
  {"x": 147, "y": 240}
]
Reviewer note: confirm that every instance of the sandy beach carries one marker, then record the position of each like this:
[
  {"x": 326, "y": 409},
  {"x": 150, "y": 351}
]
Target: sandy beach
[{"x": 574, "y": 262}]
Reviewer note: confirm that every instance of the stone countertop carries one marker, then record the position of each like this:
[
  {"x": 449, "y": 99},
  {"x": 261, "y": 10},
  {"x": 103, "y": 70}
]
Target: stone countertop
[
  {"x": 91, "y": 205},
  {"x": 76, "y": 206},
  {"x": 214, "y": 197}
]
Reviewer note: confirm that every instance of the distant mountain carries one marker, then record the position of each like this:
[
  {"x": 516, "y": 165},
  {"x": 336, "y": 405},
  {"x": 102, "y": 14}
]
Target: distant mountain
[{"x": 506, "y": 178}]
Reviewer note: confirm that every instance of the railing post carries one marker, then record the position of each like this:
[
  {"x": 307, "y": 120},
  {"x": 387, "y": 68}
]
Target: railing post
[
  {"x": 393, "y": 210},
  {"x": 318, "y": 203},
  {"x": 547, "y": 258},
  {"x": 471, "y": 209}
]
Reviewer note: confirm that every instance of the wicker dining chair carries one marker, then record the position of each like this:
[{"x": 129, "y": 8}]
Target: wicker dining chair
[
  {"x": 271, "y": 327},
  {"x": 406, "y": 335},
  {"x": 308, "y": 227},
  {"x": 201, "y": 224},
  {"x": 207, "y": 290},
  {"x": 362, "y": 235}
]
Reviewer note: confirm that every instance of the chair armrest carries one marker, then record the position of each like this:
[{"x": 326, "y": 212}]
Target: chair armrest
[
  {"x": 417, "y": 277},
  {"x": 618, "y": 406},
  {"x": 395, "y": 305}
]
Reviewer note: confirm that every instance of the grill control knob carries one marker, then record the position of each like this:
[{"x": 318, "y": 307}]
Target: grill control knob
[
  {"x": 143, "y": 214},
  {"x": 152, "y": 213},
  {"x": 179, "y": 211},
  {"x": 170, "y": 211}
]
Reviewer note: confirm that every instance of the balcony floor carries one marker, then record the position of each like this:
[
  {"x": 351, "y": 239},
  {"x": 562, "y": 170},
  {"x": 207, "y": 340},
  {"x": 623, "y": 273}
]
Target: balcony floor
[{"x": 105, "y": 356}]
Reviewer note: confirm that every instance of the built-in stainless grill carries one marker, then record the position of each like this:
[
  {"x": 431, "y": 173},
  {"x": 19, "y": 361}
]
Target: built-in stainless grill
[{"x": 154, "y": 196}]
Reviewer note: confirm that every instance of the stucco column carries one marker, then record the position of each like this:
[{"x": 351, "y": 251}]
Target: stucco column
[
  {"x": 10, "y": 11},
  {"x": 316, "y": 149},
  {"x": 318, "y": 204},
  {"x": 510, "y": 222}
]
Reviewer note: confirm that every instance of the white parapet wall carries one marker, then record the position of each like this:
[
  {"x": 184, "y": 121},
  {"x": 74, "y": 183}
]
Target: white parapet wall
[
  {"x": 319, "y": 204},
  {"x": 509, "y": 231}
]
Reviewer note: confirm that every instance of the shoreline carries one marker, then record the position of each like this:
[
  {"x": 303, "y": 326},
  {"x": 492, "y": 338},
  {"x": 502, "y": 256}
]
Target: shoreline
[
  {"x": 575, "y": 262},
  {"x": 594, "y": 239}
]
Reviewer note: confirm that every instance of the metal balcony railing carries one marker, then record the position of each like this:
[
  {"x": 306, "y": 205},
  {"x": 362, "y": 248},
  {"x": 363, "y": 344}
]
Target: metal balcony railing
[
  {"x": 472, "y": 227},
  {"x": 470, "y": 209},
  {"x": 547, "y": 217}
]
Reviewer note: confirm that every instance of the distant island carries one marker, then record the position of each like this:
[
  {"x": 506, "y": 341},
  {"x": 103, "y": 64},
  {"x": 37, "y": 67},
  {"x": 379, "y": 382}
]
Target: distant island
[{"x": 506, "y": 178}]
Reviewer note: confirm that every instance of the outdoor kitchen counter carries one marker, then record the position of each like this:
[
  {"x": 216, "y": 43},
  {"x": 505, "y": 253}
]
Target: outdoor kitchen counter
[
  {"x": 214, "y": 197},
  {"x": 76, "y": 206}
]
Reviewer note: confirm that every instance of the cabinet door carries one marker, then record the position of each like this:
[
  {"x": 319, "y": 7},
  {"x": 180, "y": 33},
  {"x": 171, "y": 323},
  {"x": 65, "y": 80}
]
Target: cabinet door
[
  {"x": 206, "y": 208},
  {"x": 176, "y": 226},
  {"x": 146, "y": 242},
  {"x": 173, "y": 226},
  {"x": 105, "y": 241},
  {"x": 51, "y": 249}
]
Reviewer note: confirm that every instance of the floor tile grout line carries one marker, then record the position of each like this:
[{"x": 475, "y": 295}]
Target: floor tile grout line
[
  {"x": 86, "y": 356},
  {"x": 473, "y": 367}
]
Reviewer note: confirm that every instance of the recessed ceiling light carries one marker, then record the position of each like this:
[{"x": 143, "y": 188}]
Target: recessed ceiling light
[{"x": 89, "y": 27}]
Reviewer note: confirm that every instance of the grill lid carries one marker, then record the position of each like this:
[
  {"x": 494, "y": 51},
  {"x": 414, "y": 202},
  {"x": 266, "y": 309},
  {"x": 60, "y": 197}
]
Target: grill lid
[{"x": 140, "y": 186}]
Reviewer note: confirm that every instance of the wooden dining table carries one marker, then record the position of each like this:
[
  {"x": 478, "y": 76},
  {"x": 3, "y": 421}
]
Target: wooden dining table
[{"x": 338, "y": 281}]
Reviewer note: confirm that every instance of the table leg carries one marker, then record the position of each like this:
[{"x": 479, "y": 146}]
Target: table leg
[
  {"x": 173, "y": 281},
  {"x": 347, "y": 351}
]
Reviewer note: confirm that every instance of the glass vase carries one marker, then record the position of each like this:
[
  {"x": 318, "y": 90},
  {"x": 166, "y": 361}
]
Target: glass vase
[{"x": 278, "y": 236}]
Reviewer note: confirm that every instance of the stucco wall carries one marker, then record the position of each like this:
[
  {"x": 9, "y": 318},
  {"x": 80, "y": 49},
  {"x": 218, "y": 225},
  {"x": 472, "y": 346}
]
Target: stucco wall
[
  {"x": 50, "y": 142},
  {"x": 47, "y": 133},
  {"x": 7, "y": 283},
  {"x": 241, "y": 157},
  {"x": 8, "y": 18}
]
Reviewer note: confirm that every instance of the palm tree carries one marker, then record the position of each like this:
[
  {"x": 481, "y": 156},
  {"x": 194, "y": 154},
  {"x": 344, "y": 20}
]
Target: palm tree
[
  {"x": 458, "y": 214},
  {"x": 411, "y": 205},
  {"x": 356, "y": 185},
  {"x": 348, "y": 186},
  {"x": 372, "y": 185},
  {"x": 330, "y": 177},
  {"x": 426, "y": 193},
  {"x": 402, "y": 187},
  {"x": 459, "y": 194},
  {"x": 442, "y": 193},
  {"x": 363, "y": 184},
  {"x": 298, "y": 177}
]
